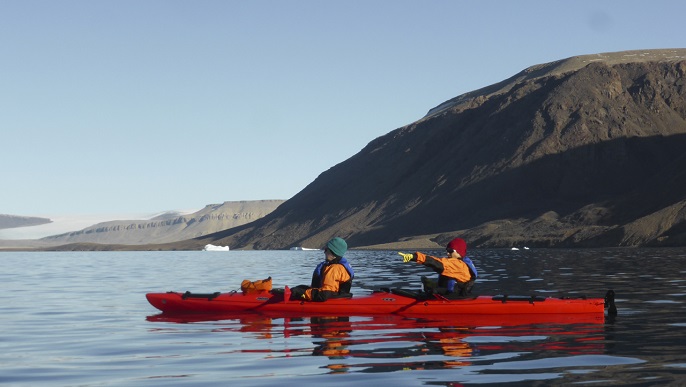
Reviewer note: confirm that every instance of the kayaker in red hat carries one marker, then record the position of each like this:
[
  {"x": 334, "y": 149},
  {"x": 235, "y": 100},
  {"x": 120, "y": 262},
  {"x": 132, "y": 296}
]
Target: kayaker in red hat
[
  {"x": 456, "y": 272},
  {"x": 331, "y": 278}
]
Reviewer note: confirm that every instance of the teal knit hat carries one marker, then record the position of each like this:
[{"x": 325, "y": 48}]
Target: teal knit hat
[{"x": 337, "y": 246}]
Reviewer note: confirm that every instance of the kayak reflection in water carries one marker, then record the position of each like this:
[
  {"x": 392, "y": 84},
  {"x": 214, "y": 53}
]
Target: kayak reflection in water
[
  {"x": 336, "y": 334},
  {"x": 332, "y": 278},
  {"x": 456, "y": 272},
  {"x": 412, "y": 343}
]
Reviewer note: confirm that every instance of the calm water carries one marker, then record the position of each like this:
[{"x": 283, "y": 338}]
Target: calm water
[{"x": 81, "y": 319}]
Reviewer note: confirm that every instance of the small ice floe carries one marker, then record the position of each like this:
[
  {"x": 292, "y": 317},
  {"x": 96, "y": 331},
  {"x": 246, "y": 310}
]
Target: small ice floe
[
  {"x": 211, "y": 247},
  {"x": 514, "y": 248},
  {"x": 299, "y": 248}
]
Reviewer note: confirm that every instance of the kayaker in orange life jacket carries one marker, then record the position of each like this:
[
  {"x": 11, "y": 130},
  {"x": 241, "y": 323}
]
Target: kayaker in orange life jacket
[
  {"x": 456, "y": 272},
  {"x": 332, "y": 278}
]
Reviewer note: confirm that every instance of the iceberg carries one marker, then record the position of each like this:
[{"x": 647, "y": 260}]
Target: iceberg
[{"x": 211, "y": 247}]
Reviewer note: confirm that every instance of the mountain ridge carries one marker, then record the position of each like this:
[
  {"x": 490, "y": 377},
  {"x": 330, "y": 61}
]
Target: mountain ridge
[
  {"x": 604, "y": 116},
  {"x": 581, "y": 152},
  {"x": 559, "y": 67}
]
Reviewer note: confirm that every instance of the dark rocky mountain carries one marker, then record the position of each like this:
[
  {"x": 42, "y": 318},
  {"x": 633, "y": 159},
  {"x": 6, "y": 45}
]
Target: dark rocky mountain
[
  {"x": 585, "y": 151},
  {"x": 14, "y": 221}
]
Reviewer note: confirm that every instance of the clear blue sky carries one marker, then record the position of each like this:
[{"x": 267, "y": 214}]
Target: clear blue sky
[{"x": 146, "y": 106}]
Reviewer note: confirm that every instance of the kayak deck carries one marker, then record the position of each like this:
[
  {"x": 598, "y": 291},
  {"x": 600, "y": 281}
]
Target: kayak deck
[{"x": 387, "y": 301}]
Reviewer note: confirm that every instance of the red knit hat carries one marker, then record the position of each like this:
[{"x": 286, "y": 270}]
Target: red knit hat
[{"x": 458, "y": 245}]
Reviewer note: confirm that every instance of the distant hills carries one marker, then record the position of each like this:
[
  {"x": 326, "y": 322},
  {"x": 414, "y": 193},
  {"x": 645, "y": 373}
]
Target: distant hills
[
  {"x": 585, "y": 151},
  {"x": 14, "y": 221},
  {"x": 171, "y": 226}
]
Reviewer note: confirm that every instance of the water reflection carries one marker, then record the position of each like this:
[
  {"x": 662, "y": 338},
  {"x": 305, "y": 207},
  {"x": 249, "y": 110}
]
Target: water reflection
[{"x": 392, "y": 343}]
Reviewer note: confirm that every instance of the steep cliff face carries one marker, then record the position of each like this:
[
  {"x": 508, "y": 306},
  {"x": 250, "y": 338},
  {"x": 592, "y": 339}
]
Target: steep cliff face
[
  {"x": 586, "y": 151},
  {"x": 171, "y": 227}
]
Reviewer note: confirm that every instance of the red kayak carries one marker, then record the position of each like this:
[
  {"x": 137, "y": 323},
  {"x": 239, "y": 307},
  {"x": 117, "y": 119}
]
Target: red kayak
[{"x": 384, "y": 302}]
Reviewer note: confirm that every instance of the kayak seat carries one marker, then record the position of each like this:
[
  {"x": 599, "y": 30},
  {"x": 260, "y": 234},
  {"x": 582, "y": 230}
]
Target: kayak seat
[
  {"x": 409, "y": 293},
  {"x": 342, "y": 295},
  {"x": 457, "y": 296}
]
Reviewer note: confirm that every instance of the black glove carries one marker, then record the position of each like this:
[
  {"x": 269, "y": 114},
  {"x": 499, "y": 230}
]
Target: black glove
[{"x": 297, "y": 292}]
